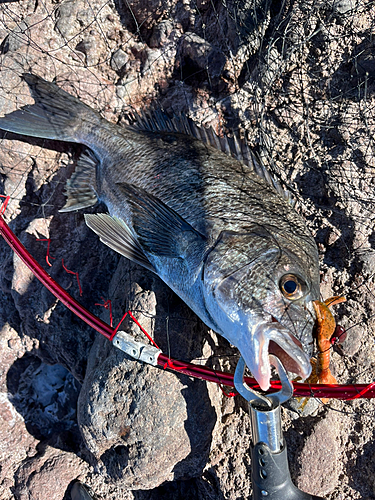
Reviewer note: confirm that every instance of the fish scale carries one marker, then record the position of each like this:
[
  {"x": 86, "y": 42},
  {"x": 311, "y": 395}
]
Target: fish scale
[{"x": 218, "y": 230}]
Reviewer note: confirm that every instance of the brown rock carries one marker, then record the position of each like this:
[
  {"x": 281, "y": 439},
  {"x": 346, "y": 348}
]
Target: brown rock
[
  {"x": 319, "y": 459},
  {"x": 48, "y": 474},
  {"x": 16, "y": 444}
]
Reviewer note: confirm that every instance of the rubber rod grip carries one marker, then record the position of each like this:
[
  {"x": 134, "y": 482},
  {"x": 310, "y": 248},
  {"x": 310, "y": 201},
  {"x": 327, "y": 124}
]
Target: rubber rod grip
[{"x": 271, "y": 477}]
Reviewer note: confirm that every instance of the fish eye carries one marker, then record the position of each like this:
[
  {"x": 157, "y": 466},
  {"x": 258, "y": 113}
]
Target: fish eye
[{"x": 293, "y": 287}]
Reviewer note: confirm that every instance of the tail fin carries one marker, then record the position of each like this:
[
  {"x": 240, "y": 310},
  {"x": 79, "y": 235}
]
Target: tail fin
[{"x": 53, "y": 116}]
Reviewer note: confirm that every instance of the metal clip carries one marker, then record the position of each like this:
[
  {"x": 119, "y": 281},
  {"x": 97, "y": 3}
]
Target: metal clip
[
  {"x": 270, "y": 474},
  {"x": 137, "y": 350},
  {"x": 272, "y": 400}
]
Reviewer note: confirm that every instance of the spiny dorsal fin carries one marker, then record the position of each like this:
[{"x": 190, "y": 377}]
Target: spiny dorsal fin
[{"x": 156, "y": 120}]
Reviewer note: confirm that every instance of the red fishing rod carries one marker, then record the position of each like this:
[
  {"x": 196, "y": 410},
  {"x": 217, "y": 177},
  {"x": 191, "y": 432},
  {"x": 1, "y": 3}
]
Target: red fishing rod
[
  {"x": 270, "y": 474},
  {"x": 338, "y": 391}
]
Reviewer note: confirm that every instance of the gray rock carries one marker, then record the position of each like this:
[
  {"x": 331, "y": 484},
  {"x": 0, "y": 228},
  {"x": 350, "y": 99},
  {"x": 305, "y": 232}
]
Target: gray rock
[
  {"x": 119, "y": 59},
  {"x": 66, "y": 21},
  {"x": 344, "y": 6},
  {"x": 16, "y": 39}
]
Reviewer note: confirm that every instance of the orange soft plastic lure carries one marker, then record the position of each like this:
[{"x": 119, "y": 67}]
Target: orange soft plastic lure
[{"x": 325, "y": 329}]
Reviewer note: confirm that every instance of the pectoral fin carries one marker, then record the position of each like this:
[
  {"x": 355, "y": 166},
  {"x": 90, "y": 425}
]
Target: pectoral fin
[
  {"x": 114, "y": 233},
  {"x": 160, "y": 230}
]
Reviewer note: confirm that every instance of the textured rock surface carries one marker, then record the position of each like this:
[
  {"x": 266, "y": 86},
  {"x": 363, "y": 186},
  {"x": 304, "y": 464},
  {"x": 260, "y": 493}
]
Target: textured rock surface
[
  {"x": 48, "y": 474},
  {"x": 16, "y": 443},
  {"x": 299, "y": 84},
  {"x": 144, "y": 426},
  {"x": 321, "y": 453}
]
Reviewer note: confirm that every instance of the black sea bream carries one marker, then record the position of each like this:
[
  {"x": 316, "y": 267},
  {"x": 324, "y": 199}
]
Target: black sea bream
[{"x": 213, "y": 228}]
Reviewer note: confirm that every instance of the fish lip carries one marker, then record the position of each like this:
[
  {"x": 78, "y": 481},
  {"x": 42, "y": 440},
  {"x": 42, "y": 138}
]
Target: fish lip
[{"x": 272, "y": 338}]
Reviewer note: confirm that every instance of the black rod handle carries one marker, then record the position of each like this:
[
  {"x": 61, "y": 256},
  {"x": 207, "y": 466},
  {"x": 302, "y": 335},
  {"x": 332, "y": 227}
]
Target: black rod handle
[{"x": 271, "y": 477}]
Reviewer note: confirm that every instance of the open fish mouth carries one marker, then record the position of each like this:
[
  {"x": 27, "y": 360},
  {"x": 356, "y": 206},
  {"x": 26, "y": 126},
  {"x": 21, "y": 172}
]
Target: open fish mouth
[
  {"x": 273, "y": 338},
  {"x": 289, "y": 362}
]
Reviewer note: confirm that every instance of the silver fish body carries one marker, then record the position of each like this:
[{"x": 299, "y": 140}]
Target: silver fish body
[{"x": 215, "y": 231}]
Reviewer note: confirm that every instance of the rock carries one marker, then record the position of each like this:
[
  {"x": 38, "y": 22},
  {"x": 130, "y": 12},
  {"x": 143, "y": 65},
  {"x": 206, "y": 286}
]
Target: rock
[
  {"x": 16, "y": 443},
  {"x": 343, "y": 6},
  {"x": 15, "y": 39},
  {"x": 46, "y": 396},
  {"x": 144, "y": 425},
  {"x": 319, "y": 469},
  {"x": 61, "y": 338},
  {"x": 202, "y": 60},
  {"x": 118, "y": 60},
  {"x": 143, "y": 15},
  {"x": 48, "y": 475},
  {"x": 71, "y": 15},
  {"x": 302, "y": 407},
  {"x": 364, "y": 61},
  {"x": 92, "y": 48},
  {"x": 161, "y": 33}
]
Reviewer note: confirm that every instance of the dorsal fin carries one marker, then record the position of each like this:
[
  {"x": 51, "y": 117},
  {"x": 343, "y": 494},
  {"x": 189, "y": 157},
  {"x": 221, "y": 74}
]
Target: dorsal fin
[{"x": 156, "y": 120}]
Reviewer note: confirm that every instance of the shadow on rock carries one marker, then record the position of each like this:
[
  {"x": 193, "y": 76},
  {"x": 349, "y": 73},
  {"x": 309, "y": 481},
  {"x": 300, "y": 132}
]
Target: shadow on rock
[
  {"x": 202, "y": 488},
  {"x": 200, "y": 422},
  {"x": 46, "y": 397}
]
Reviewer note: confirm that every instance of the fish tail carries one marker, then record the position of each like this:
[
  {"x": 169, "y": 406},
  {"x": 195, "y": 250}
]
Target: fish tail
[{"x": 55, "y": 114}]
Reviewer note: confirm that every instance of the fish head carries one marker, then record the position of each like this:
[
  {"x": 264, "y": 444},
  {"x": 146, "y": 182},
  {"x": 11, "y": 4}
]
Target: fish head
[{"x": 259, "y": 291}]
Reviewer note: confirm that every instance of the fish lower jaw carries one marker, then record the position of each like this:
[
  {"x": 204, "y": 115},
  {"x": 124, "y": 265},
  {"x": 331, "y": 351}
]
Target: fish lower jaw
[
  {"x": 267, "y": 339},
  {"x": 289, "y": 362}
]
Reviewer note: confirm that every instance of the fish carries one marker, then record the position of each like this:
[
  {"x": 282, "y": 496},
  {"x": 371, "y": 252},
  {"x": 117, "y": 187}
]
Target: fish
[{"x": 198, "y": 210}]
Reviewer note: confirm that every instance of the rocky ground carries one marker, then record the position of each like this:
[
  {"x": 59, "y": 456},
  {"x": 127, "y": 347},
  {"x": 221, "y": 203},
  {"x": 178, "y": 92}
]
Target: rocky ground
[{"x": 297, "y": 81}]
